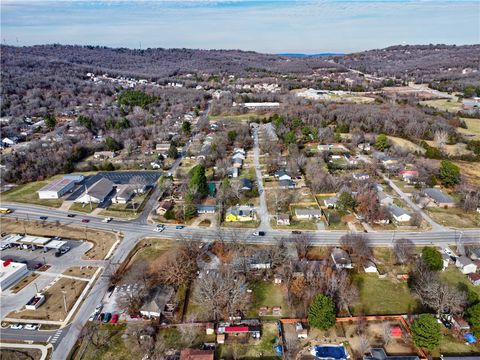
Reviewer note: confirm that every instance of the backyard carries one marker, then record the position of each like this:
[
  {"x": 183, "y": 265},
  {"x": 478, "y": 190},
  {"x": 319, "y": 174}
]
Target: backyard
[
  {"x": 383, "y": 296},
  {"x": 265, "y": 293}
]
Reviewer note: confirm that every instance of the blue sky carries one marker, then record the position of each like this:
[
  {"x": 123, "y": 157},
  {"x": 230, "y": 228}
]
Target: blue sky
[{"x": 265, "y": 26}]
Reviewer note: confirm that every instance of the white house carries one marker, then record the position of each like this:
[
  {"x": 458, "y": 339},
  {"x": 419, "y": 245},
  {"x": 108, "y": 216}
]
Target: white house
[
  {"x": 465, "y": 265},
  {"x": 56, "y": 189},
  {"x": 305, "y": 214},
  {"x": 282, "y": 175},
  {"x": 370, "y": 267},
  {"x": 238, "y": 155},
  {"x": 97, "y": 192},
  {"x": 399, "y": 214},
  {"x": 123, "y": 194}
]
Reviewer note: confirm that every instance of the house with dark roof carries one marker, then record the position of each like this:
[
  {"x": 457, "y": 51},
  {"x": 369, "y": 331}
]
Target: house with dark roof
[
  {"x": 438, "y": 198},
  {"x": 331, "y": 202},
  {"x": 287, "y": 184},
  {"x": 282, "y": 175},
  {"x": 157, "y": 301},
  {"x": 380, "y": 354},
  {"x": 474, "y": 278},
  {"x": 341, "y": 259},
  {"x": 246, "y": 184}
]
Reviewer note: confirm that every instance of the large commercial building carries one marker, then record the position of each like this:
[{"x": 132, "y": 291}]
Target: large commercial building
[
  {"x": 56, "y": 189},
  {"x": 97, "y": 192},
  {"x": 10, "y": 273}
]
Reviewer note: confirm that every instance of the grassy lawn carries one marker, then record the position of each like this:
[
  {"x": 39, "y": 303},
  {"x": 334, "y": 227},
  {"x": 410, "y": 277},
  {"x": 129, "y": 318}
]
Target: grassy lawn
[
  {"x": 241, "y": 117},
  {"x": 406, "y": 144},
  {"x": 453, "y": 150},
  {"x": 454, "y": 277},
  {"x": 113, "y": 346},
  {"x": 149, "y": 250},
  {"x": 102, "y": 241},
  {"x": 455, "y": 217},
  {"x": 125, "y": 210},
  {"x": 53, "y": 307},
  {"x": 383, "y": 297},
  {"x": 450, "y": 345},
  {"x": 241, "y": 224},
  {"x": 472, "y": 130},
  {"x": 23, "y": 283},
  {"x": 28, "y": 194},
  {"x": 443, "y": 104},
  {"x": 265, "y": 293},
  {"x": 253, "y": 349},
  {"x": 83, "y": 207},
  {"x": 295, "y": 225},
  {"x": 470, "y": 171}
]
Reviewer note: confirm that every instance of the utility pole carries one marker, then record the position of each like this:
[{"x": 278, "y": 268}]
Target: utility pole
[{"x": 65, "y": 301}]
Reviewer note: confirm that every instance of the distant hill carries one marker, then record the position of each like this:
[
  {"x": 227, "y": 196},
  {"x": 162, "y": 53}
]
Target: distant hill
[{"x": 307, "y": 55}]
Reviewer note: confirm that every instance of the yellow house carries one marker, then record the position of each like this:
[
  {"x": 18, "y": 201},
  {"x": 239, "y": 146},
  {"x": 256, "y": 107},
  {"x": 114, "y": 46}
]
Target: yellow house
[{"x": 240, "y": 213}]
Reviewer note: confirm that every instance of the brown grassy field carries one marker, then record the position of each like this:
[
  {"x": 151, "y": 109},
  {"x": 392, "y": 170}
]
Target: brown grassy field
[
  {"x": 470, "y": 170},
  {"x": 23, "y": 283},
  {"x": 85, "y": 272},
  {"x": 53, "y": 308},
  {"x": 102, "y": 241}
]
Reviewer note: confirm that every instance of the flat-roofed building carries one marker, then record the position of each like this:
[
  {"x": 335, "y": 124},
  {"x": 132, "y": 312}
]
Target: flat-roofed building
[
  {"x": 56, "y": 189},
  {"x": 10, "y": 273}
]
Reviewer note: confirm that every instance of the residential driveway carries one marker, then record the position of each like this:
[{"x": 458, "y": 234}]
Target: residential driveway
[
  {"x": 262, "y": 209},
  {"x": 406, "y": 198}
]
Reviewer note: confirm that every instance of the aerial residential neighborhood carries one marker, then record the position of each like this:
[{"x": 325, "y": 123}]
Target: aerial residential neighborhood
[{"x": 162, "y": 201}]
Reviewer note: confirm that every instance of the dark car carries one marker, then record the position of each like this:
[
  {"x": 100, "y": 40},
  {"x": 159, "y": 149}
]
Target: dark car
[
  {"x": 447, "y": 324},
  {"x": 71, "y": 215},
  {"x": 101, "y": 317},
  {"x": 296, "y": 232},
  {"x": 43, "y": 217},
  {"x": 107, "y": 317},
  {"x": 179, "y": 227},
  {"x": 85, "y": 220},
  {"x": 38, "y": 266}
]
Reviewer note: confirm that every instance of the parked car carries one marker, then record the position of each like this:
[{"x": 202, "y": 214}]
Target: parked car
[
  {"x": 71, "y": 215},
  {"x": 179, "y": 227},
  {"x": 92, "y": 317},
  {"x": 107, "y": 317},
  {"x": 16, "y": 326},
  {"x": 101, "y": 317},
  {"x": 259, "y": 233},
  {"x": 38, "y": 266},
  {"x": 43, "y": 217},
  {"x": 114, "y": 319},
  {"x": 32, "y": 327},
  {"x": 85, "y": 220},
  {"x": 62, "y": 250}
]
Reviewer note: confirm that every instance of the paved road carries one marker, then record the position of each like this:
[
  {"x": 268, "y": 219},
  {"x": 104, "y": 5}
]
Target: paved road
[
  {"x": 263, "y": 210},
  {"x": 406, "y": 198}
]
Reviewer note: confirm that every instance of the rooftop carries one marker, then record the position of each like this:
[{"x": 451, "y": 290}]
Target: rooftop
[
  {"x": 439, "y": 196},
  {"x": 57, "y": 185}
]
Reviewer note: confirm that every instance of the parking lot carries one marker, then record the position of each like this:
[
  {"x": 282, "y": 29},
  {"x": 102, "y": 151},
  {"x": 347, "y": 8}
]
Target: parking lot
[{"x": 39, "y": 256}]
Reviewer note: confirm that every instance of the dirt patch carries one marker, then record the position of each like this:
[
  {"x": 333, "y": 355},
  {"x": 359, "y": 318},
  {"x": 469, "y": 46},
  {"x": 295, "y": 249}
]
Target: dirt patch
[
  {"x": 23, "y": 283},
  {"x": 85, "y": 272},
  {"x": 102, "y": 241},
  {"x": 54, "y": 306}
]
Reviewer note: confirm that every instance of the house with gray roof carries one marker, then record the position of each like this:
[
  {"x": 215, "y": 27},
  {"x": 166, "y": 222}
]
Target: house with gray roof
[
  {"x": 96, "y": 193},
  {"x": 306, "y": 214},
  {"x": 380, "y": 354},
  {"x": 399, "y": 214},
  {"x": 341, "y": 259},
  {"x": 438, "y": 198}
]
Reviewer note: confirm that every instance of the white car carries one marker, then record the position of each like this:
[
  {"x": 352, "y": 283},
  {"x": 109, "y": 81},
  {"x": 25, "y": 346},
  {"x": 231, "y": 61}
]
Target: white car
[
  {"x": 32, "y": 327},
  {"x": 107, "y": 220},
  {"x": 16, "y": 326}
]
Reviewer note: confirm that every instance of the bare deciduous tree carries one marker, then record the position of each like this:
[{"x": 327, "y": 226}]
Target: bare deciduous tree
[{"x": 403, "y": 250}]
